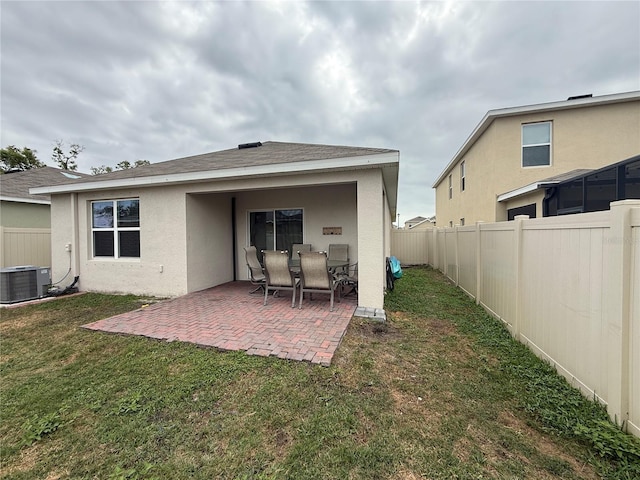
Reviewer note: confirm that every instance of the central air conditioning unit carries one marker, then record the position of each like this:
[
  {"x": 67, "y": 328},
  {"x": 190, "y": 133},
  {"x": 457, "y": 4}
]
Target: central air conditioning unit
[{"x": 18, "y": 284}]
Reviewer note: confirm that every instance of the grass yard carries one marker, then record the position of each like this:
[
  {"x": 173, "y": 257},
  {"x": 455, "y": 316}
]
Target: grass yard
[{"x": 440, "y": 391}]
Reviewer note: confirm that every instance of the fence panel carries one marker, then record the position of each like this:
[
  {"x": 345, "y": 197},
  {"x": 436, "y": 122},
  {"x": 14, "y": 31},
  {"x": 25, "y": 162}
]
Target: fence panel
[
  {"x": 467, "y": 279},
  {"x": 498, "y": 270},
  {"x": 25, "y": 246},
  {"x": 410, "y": 247},
  {"x": 450, "y": 260},
  {"x": 561, "y": 300}
]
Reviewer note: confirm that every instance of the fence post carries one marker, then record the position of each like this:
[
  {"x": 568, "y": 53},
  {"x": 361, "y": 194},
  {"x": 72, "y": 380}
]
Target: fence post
[
  {"x": 435, "y": 249},
  {"x": 478, "y": 263},
  {"x": 456, "y": 256},
  {"x": 518, "y": 219},
  {"x": 2, "y": 244},
  {"x": 618, "y": 308}
]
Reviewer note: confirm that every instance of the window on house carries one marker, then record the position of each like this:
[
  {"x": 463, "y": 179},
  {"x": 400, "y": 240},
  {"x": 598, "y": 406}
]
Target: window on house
[
  {"x": 275, "y": 229},
  {"x": 462, "y": 177},
  {"x": 536, "y": 144},
  {"x": 115, "y": 228},
  {"x": 450, "y": 187}
]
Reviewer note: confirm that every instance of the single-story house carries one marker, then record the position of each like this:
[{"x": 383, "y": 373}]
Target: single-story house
[{"x": 179, "y": 226}]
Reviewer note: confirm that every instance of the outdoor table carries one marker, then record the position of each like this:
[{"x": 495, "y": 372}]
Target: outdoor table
[{"x": 294, "y": 265}]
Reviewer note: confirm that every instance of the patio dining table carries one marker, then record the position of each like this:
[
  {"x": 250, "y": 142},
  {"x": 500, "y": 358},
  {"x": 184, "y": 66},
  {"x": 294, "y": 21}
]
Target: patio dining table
[{"x": 294, "y": 264}]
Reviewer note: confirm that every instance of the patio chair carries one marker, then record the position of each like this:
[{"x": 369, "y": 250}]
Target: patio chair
[
  {"x": 299, "y": 247},
  {"x": 279, "y": 276},
  {"x": 256, "y": 273},
  {"x": 339, "y": 252},
  {"x": 315, "y": 276},
  {"x": 350, "y": 280}
]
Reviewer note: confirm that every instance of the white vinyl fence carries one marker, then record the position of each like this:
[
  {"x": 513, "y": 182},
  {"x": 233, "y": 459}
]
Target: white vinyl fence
[
  {"x": 568, "y": 287},
  {"x": 25, "y": 246}
]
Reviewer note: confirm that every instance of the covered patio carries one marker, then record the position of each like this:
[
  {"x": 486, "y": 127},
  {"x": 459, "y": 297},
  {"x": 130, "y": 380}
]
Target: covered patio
[{"x": 227, "y": 317}]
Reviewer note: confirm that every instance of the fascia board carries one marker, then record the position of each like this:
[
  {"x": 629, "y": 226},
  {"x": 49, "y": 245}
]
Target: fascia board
[
  {"x": 536, "y": 108},
  {"x": 25, "y": 200},
  {"x": 345, "y": 163},
  {"x": 524, "y": 190}
]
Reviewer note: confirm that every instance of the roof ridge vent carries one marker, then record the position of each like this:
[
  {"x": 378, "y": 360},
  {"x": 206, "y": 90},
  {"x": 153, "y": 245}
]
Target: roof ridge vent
[
  {"x": 249, "y": 145},
  {"x": 578, "y": 97}
]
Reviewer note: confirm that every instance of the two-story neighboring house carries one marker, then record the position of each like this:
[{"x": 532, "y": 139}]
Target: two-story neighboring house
[{"x": 514, "y": 154}]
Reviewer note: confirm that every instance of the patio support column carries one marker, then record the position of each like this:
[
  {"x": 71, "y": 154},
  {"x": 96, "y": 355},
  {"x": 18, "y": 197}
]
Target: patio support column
[{"x": 371, "y": 257}]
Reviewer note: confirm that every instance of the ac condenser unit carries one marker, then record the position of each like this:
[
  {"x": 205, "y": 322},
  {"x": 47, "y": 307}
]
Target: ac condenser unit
[{"x": 18, "y": 284}]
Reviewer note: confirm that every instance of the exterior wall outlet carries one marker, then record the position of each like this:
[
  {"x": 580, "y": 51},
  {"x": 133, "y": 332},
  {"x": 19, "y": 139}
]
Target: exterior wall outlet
[{"x": 67, "y": 247}]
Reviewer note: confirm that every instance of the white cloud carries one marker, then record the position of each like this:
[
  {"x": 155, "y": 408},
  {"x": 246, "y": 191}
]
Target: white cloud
[{"x": 155, "y": 81}]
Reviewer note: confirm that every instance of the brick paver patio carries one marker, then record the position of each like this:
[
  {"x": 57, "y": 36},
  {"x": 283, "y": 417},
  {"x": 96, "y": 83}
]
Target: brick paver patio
[{"x": 228, "y": 318}]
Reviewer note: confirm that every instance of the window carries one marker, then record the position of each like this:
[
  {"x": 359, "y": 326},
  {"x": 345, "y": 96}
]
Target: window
[
  {"x": 536, "y": 144},
  {"x": 275, "y": 229},
  {"x": 462, "y": 185},
  {"x": 450, "y": 188},
  {"x": 115, "y": 228}
]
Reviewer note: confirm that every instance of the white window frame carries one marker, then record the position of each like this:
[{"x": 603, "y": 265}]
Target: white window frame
[
  {"x": 549, "y": 143},
  {"x": 450, "y": 187},
  {"x": 462, "y": 176},
  {"x": 116, "y": 229}
]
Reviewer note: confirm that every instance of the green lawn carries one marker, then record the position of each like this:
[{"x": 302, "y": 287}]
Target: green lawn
[{"x": 439, "y": 391}]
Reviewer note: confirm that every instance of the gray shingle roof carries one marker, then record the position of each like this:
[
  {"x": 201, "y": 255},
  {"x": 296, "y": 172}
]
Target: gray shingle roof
[
  {"x": 17, "y": 185},
  {"x": 268, "y": 153}
]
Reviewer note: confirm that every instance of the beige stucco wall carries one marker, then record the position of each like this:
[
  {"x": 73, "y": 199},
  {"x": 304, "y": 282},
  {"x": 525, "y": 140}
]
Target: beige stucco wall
[
  {"x": 186, "y": 231},
  {"x": 589, "y": 137},
  {"x": 24, "y": 215},
  {"x": 536, "y": 197},
  {"x": 209, "y": 240}
]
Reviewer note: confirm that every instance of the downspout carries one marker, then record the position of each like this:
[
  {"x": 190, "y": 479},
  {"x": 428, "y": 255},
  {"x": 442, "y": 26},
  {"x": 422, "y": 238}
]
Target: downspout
[{"x": 549, "y": 194}]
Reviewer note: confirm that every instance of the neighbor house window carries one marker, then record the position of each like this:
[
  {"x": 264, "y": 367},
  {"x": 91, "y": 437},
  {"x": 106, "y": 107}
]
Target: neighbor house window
[
  {"x": 462, "y": 177},
  {"x": 536, "y": 144},
  {"x": 275, "y": 229},
  {"x": 115, "y": 228},
  {"x": 450, "y": 187}
]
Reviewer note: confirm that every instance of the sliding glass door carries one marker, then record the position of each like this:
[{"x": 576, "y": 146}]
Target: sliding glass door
[{"x": 275, "y": 229}]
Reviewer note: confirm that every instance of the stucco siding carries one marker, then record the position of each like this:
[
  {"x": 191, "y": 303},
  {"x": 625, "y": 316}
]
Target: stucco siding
[
  {"x": 371, "y": 261},
  {"x": 161, "y": 268},
  {"x": 328, "y": 206},
  {"x": 589, "y": 137},
  {"x": 209, "y": 240},
  {"x": 186, "y": 233}
]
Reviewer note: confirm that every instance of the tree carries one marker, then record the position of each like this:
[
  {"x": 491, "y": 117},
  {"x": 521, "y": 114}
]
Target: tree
[
  {"x": 100, "y": 170},
  {"x": 123, "y": 165},
  {"x": 66, "y": 161},
  {"x": 13, "y": 158}
]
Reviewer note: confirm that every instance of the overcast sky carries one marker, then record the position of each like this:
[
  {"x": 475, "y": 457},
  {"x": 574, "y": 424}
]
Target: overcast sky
[{"x": 162, "y": 80}]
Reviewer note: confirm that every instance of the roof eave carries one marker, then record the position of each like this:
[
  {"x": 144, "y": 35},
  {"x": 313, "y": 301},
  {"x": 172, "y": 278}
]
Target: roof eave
[
  {"x": 383, "y": 160},
  {"x": 25, "y": 200}
]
